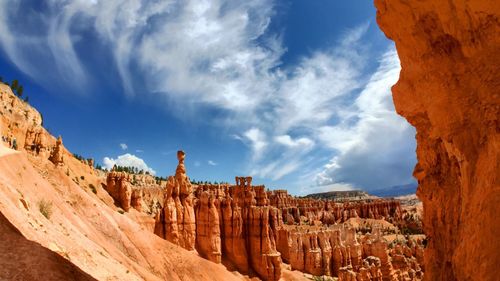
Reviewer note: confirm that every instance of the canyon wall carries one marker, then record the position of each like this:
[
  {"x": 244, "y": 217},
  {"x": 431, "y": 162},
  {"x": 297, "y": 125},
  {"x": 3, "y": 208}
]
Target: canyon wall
[
  {"x": 253, "y": 230},
  {"x": 234, "y": 224},
  {"x": 449, "y": 90}
]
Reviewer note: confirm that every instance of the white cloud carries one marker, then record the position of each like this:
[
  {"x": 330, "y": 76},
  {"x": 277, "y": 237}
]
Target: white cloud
[
  {"x": 257, "y": 140},
  {"x": 375, "y": 145},
  {"x": 327, "y": 188},
  {"x": 139, "y": 150},
  {"x": 127, "y": 160},
  {"x": 286, "y": 140},
  {"x": 220, "y": 54},
  {"x": 310, "y": 96},
  {"x": 197, "y": 163},
  {"x": 211, "y": 163},
  {"x": 123, "y": 146}
]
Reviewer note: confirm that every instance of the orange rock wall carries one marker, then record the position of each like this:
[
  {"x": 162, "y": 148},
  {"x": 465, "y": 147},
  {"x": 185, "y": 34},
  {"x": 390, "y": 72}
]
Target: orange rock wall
[
  {"x": 449, "y": 90},
  {"x": 238, "y": 224}
]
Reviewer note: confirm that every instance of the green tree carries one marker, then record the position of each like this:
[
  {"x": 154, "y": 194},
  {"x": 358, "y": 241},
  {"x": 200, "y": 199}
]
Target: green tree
[
  {"x": 15, "y": 84},
  {"x": 20, "y": 91}
]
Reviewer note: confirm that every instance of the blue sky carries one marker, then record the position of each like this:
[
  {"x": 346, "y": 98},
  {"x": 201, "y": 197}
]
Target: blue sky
[{"x": 294, "y": 93}]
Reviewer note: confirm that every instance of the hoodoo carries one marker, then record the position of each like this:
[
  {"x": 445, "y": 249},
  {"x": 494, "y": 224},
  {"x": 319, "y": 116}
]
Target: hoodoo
[{"x": 449, "y": 90}]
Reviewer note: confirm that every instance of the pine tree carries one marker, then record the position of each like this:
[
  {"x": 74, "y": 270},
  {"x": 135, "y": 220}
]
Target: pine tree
[
  {"x": 15, "y": 84},
  {"x": 20, "y": 91}
]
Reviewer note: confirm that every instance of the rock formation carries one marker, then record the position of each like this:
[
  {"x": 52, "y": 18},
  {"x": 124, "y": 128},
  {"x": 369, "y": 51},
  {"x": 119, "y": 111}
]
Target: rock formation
[
  {"x": 338, "y": 251},
  {"x": 254, "y": 230},
  {"x": 138, "y": 191},
  {"x": 235, "y": 223},
  {"x": 56, "y": 155},
  {"x": 208, "y": 238},
  {"x": 36, "y": 141},
  {"x": 118, "y": 186},
  {"x": 448, "y": 90},
  {"x": 249, "y": 216},
  {"x": 176, "y": 221}
]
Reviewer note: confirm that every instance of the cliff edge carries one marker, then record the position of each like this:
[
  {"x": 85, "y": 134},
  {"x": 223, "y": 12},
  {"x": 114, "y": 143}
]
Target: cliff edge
[{"x": 449, "y": 90}]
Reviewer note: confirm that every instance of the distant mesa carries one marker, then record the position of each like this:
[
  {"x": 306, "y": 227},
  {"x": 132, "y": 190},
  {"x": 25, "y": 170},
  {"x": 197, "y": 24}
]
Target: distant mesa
[
  {"x": 340, "y": 195},
  {"x": 395, "y": 191}
]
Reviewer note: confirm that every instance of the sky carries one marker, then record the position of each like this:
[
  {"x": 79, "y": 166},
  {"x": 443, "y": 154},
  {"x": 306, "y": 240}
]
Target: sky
[{"x": 293, "y": 93}]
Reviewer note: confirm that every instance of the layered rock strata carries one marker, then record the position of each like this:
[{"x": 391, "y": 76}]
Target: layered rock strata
[{"x": 448, "y": 89}]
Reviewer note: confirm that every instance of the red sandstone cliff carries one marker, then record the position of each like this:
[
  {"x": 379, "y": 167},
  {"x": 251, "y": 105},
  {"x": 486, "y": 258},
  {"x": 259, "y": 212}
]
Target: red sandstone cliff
[{"x": 449, "y": 90}]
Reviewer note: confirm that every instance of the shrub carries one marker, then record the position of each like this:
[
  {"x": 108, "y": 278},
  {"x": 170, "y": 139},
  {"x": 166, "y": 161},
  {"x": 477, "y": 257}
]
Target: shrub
[
  {"x": 45, "y": 208},
  {"x": 82, "y": 177}
]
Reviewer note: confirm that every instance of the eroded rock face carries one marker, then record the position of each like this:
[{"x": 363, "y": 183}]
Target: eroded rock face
[
  {"x": 138, "y": 191},
  {"x": 339, "y": 251},
  {"x": 57, "y": 156},
  {"x": 248, "y": 226},
  {"x": 176, "y": 222},
  {"x": 37, "y": 141},
  {"x": 208, "y": 241},
  {"x": 448, "y": 90},
  {"x": 118, "y": 186}
]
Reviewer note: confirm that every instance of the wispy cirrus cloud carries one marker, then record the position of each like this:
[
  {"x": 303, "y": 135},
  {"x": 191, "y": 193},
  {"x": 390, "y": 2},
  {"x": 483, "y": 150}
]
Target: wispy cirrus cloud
[{"x": 326, "y": 118}]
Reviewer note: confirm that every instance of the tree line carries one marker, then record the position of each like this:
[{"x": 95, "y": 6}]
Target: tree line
[{"x": 16, "y": 87}]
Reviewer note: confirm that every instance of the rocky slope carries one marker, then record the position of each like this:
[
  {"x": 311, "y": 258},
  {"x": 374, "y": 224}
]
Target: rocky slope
[
  {"x": 19, "y": 253},
  {"x": 449, "y": 90},
  {"x": 58, "y": 223}
]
